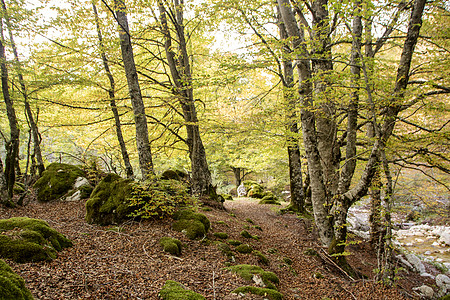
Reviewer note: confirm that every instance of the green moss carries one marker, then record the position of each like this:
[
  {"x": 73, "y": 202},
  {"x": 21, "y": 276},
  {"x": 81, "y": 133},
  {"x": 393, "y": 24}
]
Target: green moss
[
  {"x": 318, "y": 275},
  {"x": 271, "y": 294},
  {"x": 86, "y": 191},
  {"x": 12, "y": 286},
  {"x": 248, "y": 271},
  {"x": 56, "y": 181},
  {"x": 171, "y": 245},
  {"x": 261, "y": 257},
  {"x": 221, "y": 235},
  {"x": 310, "y": 252},
  {"x": 269, "y": 201},
  {"x": 225, "y": 249},
  {"x": 272, "y": 250},
  {"x": 174, "y": 291},
  {"x": 109, "y": 202},
  {"x": 24, "y": 239},
  {"x": 188, "y": 214},
  {"x": 227, "y": 197},
  {"x": 287, "y": 261},
  {"x": 248, "y": 220},
  {"x": 246, "y": 234},
  {"x": 446, "y": 297},
  {"x": 234, "y": 242},
  {"x": 191, "y": 227},
  {"x": 222, "y": 223},
  {"x": 244, "y": 248}
]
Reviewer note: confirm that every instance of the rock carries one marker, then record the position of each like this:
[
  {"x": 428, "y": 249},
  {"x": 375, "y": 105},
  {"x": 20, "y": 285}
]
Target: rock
[
  {"x": 241, "y": 191},
  {"x": 258, "y": 280},
  {"x": 405, "y": 262},
  {"x": 74, "y": 197},
  {"x": 445, "y": 238},
  {"x": 109, "y": 202},
  {"x": 427, "y": 275},
  {"x": 12, "y": 286},
  {"x": 56, "y": 181},
  {"x": 357, "y": 223},
  {"x": 443, "y": 282},
  {"x": 415, "y": 261},
  {"x": 80, "y": 181},
  {"x": 425, "y": 291}
]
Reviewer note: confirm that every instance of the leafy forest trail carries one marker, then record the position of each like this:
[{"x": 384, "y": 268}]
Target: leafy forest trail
[{"x": 126, "y": 261}]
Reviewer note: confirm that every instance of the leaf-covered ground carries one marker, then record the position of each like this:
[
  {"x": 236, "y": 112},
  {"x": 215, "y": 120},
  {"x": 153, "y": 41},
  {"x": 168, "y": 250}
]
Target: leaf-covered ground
[{"x": 126, "y": 261}]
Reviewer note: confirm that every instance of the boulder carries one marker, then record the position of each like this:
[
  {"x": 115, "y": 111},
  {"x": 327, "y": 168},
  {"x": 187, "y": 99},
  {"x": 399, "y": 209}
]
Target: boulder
[
  {"x": 24, "y": 240},
  {"x": 62, "y": 181},
  {"x": 416, "y": 263},
  {"x": 443, "y": 282},
  {"x": 445, "y": 238},
  {"x": 173, "y": 290},
  {"x": 12, "y": 286},
  {"x": 425, "y": 290},
  {"x": 109, "y": 202}
]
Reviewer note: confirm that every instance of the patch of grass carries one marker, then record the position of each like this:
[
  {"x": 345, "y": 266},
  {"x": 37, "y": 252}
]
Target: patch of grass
[
  {"x": 271, "y": 294},
  {"x": 173, "y": 290},
  {"x": 221, "y": 235},
  {"x": 171, "y": 245},
  {"x": 232, "y": 215}
]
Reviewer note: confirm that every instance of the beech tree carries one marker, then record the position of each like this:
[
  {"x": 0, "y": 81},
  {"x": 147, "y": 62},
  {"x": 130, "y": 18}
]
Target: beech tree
[
  {"x": 142, "y": 141},
  {"x": 332, "y": 198}
]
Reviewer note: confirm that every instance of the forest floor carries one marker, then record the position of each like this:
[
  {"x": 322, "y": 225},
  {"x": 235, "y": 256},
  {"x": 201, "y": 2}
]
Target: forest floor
[{"x": 126, "y": 261}]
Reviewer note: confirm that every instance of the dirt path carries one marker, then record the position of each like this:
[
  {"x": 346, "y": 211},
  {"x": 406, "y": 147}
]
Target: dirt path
[{"x": 126, "y": 261}]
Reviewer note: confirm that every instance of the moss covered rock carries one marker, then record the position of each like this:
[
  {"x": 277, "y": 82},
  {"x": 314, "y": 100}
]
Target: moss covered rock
[
  {"x": 194, "y": 225},
  {"x": 267, "y": 293},
  {"x": 173, "y": 290},
  {"x": 225, "y": 249},
  {"x": 25, "y": 239},
  {"x": 109, "y": 202},
  {"x": 248, "y": 271},
  {"x": 56, "y": 181},
  {"x": 174, "y": 175},
  {"x": 171, "y": 245},
  {"x": 244, "y": 248},
  {"x": 221, "y": 235},
  {"x": 227, "y": 197},
  {"x": 12, "y": 286}
]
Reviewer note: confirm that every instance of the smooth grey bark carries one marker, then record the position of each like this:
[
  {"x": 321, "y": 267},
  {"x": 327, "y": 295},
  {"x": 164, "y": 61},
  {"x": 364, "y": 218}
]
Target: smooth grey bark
[
  {"x": 318, "y": 188},
  {"x": 180, "y": 70},
  {"x": 12, "y": 146},
  {"x": 112, "y": 97},
  {"x": 34, "y": 128},
  {"x": 297, "y": 201},
  {"x": 140, "y": 119}
]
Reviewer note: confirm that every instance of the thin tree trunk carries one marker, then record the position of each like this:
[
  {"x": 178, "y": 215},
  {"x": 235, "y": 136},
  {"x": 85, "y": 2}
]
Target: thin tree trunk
[
  {"x": 112, "y": 96},
  {"x": 12, "y": 146},
  {"x": 142, "y": 141},
  {"x": 295, "y": 166},
  {"x": 180, "y": 70},
  {"x": 33, "y": 125},
  {"x": 318, "y": 188},
  {"x": 4, "y": 198}
]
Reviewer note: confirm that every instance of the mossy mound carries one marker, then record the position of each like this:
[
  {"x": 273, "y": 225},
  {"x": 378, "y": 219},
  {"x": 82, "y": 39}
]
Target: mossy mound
[
  {"x": 171, "y": 245},
  {"x": 234, "y": 242},
  {"x": 248, "y": 271},
  {"x": 227, "y": 197},
  {"x": 221, "y": 235},
  {"x": 12, "y": 286},
  {"x": 24, "y": 239},
  {"x": 187, "y": 214},
  {"x": 225, "y": 249},
  {"x": 271, "y": 294},
  {"x": 173, "y": 290},
  {"x": 56, "y": 181},
  {"x": 174, "y": 175},
  {"x": 269, "y": 201},
  {"x": 109, "y": 202},
  {"x": 255, "y": 190},
  {"x": 246, "y": 234},
  {"x": 244, "y": 248},
  {"x": 261, "y": 257},
  {"x": 192, "y": 228}
]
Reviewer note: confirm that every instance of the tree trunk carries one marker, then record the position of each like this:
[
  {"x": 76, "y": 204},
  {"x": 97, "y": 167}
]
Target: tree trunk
[
  {"x": 237, "y": 175},
  {"x": 112, "y": 96},
  {"x": 318, "y": 188},
  {"x": 295, "y": 166},
  {"x": 4, "y": 198},
  {"x": 33, "y": 125},
  {"x": 180, "y": 70},
  {"x": 12, "y": 146},
  {"x": 140, "y": 119}
]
